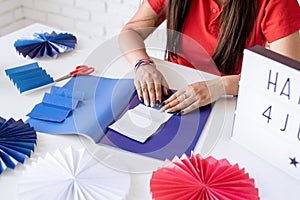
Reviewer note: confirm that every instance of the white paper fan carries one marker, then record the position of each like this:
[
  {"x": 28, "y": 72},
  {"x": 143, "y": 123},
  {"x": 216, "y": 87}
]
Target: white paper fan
[{"x": 72, "y": 174}]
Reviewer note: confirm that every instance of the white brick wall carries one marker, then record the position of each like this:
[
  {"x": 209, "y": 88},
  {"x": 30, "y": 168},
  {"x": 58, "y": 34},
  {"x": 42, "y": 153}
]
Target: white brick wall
[
  {"x": 11, "y": 16},
  {"x": 94, "y": 18}
]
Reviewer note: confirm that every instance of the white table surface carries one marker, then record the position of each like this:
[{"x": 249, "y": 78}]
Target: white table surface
[{"x": 215, "y": 140}]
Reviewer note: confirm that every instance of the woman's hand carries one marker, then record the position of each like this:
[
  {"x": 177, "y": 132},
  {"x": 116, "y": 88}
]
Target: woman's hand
[
  {"x": 194, "y": 96},
  {"x": 150, "y": 85}
]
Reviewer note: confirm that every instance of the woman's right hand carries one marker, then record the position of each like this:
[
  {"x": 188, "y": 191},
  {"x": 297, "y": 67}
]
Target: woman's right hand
[{"x": 150, "y": 85}]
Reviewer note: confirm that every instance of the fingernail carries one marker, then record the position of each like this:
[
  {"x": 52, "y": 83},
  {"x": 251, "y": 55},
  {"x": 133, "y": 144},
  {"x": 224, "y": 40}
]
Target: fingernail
[
  {"x": 157, "y": 102},
  {"x": 162, "y": 104},
  {"x": 168, "y": 111},
  {"x": 141, "y": 100},
  {"x": 179, "y": 113}
]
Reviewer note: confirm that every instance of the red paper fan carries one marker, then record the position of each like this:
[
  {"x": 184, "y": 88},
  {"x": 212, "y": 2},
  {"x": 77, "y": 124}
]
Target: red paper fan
[{"x": 195, "y": 178}]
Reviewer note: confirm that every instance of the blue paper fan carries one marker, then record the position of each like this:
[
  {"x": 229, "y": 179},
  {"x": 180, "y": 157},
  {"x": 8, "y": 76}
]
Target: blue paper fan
[
  {"x": 41, "y": 44},
  {"x": 17, "y": 141}
]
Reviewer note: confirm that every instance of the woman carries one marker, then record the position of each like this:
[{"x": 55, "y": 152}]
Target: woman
[{"x": 224, "y": 28}]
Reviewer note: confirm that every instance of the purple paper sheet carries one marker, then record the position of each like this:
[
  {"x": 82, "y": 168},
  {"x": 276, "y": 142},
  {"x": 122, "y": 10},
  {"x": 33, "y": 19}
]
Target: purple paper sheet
[{"x": 179, "y": 135}]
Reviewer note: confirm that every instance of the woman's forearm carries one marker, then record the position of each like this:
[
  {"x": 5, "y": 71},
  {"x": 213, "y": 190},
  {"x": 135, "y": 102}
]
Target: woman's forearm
[
  {"x": 139, "y": 27},
  {"x": 231, "y": 84},
  {"x": 132, "y": 46}
]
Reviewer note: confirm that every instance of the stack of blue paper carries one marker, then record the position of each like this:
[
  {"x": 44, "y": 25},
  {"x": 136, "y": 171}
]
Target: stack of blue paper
[
  {"x": 28, "y": 77},
  {"x": 17, "y": 141}
]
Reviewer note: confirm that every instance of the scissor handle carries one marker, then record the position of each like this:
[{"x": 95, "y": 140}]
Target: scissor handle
[{"x": 82, "y": 70}]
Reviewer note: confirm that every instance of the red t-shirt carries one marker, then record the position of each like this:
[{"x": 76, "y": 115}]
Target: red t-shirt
[{"x": 276, "y": 19}]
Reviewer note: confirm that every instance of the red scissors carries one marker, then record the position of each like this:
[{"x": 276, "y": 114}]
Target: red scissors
[{"x": 81, "y": 70}]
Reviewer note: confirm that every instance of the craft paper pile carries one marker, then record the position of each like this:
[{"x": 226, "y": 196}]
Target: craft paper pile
[
  {"x": 195, "y": 178},
  {"x": 17, "y": 141},
  {"x": 28, "y": 77},
  {"x": 56, "y": 105},
  {"x": 41, "y": 44},
  {"x": 106, "y": 100},
  {"x": 140, "y": 122},
  {"x": 72, "y": 174}
]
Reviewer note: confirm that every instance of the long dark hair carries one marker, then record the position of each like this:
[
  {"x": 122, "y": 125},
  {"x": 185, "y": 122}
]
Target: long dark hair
[{"x": 236, "y": 23}]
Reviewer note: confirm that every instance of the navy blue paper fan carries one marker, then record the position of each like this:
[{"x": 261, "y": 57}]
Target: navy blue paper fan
[
  {"x": 41, "y": 44},
  {"x": 17, "y": 142}
]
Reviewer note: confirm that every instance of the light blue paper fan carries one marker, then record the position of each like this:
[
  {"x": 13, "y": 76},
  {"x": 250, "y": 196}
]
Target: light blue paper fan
[{"x": 17, "y": 141}]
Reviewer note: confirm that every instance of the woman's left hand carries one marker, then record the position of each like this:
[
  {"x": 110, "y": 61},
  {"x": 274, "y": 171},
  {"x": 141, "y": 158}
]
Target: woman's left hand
[{"x": 194, "y": 96}]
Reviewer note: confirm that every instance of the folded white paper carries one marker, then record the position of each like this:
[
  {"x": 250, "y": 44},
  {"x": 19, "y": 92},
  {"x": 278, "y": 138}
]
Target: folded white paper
[
  {"x": 72, "y": 174},
  {"x": 140, "y": 123}
]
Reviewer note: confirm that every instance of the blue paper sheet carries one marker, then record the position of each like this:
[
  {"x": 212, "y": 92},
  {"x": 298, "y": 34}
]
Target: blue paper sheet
[
  {"x": 60, "y": 101},
  {"x": 56, "y": 107},
  {"x": 104, "y": 101},
  {"x": 77, "y": 95},
  {"x": 47, "y": 112}
]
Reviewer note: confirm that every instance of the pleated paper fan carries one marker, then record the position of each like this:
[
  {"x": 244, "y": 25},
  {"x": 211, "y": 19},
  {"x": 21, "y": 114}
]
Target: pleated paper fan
[
  {"x": 17, "y": 142},
  {"x": 196, "y": 178},
  {"x": 41, "y": 44},
  {"x": 28, "y": 77},
  {"x": 72, "y": 174}
]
